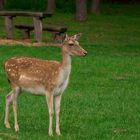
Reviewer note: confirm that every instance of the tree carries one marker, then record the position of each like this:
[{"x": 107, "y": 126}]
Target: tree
[
  {"x": 51, "y": 6},
  {"x": 2, "y": 4},
  {"x": 81, "y": 10},
  {"x": 95, "y": 7}
]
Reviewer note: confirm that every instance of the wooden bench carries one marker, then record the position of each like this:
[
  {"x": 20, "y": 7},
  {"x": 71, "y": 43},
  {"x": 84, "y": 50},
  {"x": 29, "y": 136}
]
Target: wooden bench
[
  {"x": 55, "y": 31},
  {"x": 37, "y": 22}
]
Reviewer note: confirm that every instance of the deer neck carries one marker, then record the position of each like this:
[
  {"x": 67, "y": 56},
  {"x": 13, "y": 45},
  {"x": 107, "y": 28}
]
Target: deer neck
[{"x": 66, "y": 60}]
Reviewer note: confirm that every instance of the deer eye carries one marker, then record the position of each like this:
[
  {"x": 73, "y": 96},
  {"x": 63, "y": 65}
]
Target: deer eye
[{"x": 71, "y": 44}]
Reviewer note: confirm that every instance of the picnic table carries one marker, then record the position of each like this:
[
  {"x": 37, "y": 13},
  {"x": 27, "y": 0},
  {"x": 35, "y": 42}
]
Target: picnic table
[{"x": 37, "y": 22}]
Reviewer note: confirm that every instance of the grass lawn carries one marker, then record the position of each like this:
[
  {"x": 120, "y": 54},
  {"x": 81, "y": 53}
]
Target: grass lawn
[{"x": 102, "y": 101}]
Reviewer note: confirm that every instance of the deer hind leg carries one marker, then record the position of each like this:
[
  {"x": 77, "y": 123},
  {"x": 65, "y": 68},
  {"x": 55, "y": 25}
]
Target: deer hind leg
[
  {"x": 49, "y": 98},
  {"x": 15, "y": 95},
  {"x": 57, "y": 100},
  {"x": 8, "y": 103}
]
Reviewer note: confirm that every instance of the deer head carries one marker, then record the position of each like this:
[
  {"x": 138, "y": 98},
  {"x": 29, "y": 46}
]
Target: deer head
[{"x": 71, "y": 45}]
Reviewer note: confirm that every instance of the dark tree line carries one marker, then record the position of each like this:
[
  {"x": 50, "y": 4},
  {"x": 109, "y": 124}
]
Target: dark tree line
[{"x": 81, "y": 8}]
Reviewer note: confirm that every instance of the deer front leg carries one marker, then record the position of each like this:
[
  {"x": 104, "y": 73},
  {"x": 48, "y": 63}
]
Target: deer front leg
[
  {"x": 57, "y": 100},
  {"x": 8, "y": 103},
  {"x": 49, "y": 98}
]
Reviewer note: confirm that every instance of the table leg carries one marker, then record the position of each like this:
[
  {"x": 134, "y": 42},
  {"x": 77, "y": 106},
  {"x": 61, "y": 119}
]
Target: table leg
[
  {"x": 9, "y": 27},
  {"x": 38, "y": 28}
]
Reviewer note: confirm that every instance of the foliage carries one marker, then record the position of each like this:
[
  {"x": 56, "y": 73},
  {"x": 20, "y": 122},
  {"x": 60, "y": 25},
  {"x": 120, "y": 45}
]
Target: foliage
[
  {"x": 35, "y": 5},
  {"x": 102, "y": 101},
  {"x": 40, "y": 5},
  {"x": 67, "y": 6}
]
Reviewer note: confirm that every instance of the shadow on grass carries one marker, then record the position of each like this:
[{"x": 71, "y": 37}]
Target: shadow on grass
[{"x": 7, "y": 135}]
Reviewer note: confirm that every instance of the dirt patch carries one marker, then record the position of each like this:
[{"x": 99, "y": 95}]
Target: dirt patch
[{"x": 26, "y": 42}]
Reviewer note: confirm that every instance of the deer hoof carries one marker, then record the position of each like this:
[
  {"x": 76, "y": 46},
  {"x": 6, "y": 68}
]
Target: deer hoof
[
  {"x": 16, "y": 128},
  {"x": 58, "y": 133},
  {"x": 51, "y": 133},
  {"x": 7, "y": 125}
]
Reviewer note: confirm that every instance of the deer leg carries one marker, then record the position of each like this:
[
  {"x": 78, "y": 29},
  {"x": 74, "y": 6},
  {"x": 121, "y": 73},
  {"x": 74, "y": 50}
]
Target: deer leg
[
  {"x": 8, "y": 103},
  {"x": 57, "y": 100},
  {"x": 15, "y": 95},
  {"x": 50, "y": 109}
]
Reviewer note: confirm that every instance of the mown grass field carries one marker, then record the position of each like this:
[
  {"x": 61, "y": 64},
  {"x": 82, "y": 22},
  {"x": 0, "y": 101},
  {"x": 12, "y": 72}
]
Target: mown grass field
[{"x": 102, "y": 101}]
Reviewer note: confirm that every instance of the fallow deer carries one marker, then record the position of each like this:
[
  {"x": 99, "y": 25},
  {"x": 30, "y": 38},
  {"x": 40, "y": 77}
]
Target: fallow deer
[{"x": 41, "y": 77}]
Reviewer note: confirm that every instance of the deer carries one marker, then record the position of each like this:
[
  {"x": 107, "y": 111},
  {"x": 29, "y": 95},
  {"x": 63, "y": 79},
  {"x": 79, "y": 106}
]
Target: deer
[{"x": 36, "y": 76}]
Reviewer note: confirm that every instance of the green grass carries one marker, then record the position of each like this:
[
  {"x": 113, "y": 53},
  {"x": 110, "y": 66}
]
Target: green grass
[{"x": 102, "y": 101}]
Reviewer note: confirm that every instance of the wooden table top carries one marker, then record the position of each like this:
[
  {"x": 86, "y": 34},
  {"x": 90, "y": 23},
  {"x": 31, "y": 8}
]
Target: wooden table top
[{"x": 25, "y": 13}]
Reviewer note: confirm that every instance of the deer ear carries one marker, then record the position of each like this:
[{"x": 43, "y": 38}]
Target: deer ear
[
  {"x": 77, "y": 36},
  {"x": 66, "y": 37}
]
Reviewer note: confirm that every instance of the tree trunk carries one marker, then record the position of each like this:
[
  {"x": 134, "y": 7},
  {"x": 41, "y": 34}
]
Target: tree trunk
[
  {"x": 95, "y": 7},
  {"x": 81, "y": 10},
  {"x": 50, "y": 6},
  {"x": 1, "y": 4}
]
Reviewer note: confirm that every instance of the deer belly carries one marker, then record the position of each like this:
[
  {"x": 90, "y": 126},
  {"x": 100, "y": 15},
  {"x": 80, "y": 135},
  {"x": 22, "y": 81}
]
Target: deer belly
[
  {"x": 34, "y": 90},
  {"x": 31, "y": 85}
]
